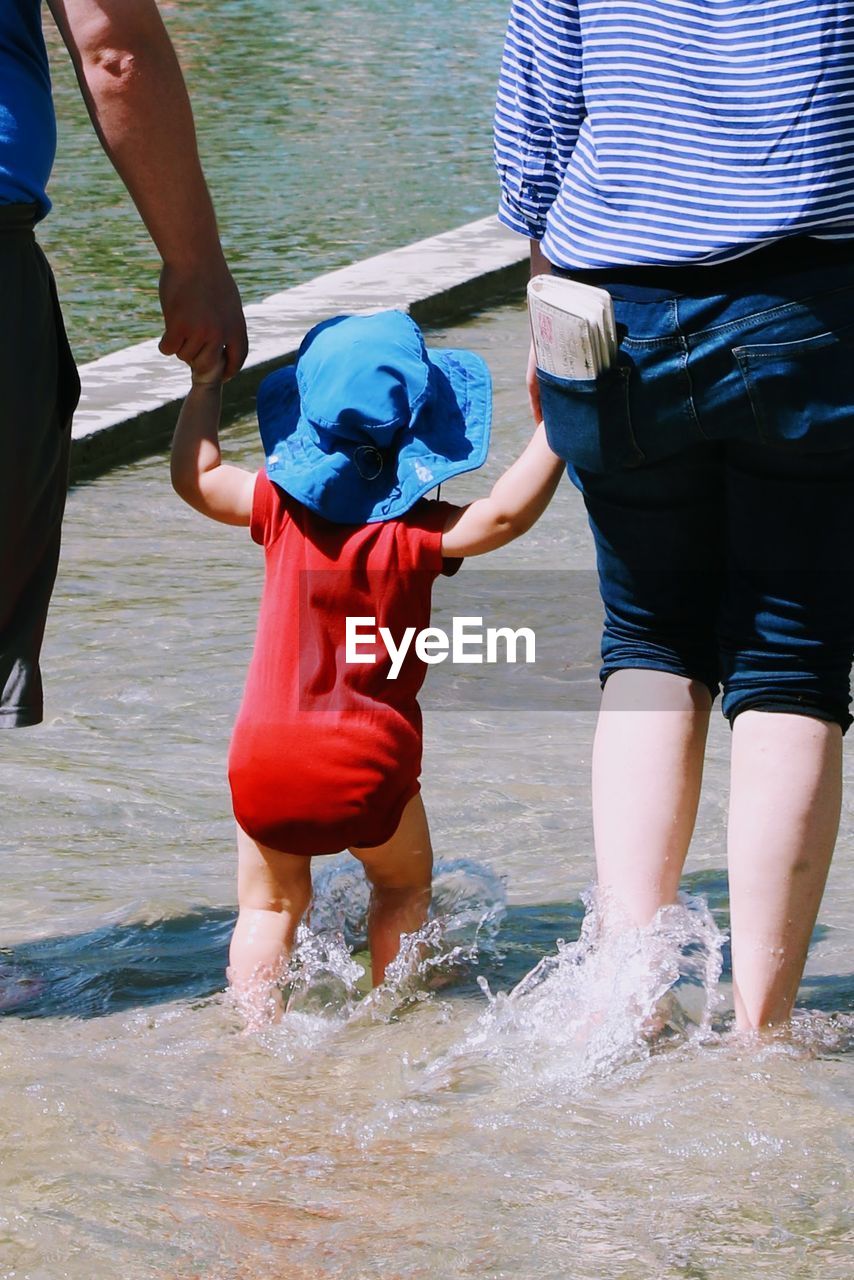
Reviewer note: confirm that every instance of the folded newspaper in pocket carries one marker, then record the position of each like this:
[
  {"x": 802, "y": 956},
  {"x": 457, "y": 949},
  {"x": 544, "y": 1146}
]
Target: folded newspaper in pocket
[{"x": 573, "y": 327}]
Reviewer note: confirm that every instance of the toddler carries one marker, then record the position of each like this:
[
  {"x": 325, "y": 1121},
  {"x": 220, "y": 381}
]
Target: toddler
[{"x": 326, "y": 753}]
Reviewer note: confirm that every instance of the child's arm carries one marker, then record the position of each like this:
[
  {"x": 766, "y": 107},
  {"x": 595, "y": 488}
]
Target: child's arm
[
  {"x": 517, "y": 501},
  {"x": 198, "y": 474}
]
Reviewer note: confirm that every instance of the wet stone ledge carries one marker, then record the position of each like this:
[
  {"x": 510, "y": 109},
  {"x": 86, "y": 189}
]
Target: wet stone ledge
[{"x": 131, "y": 397}]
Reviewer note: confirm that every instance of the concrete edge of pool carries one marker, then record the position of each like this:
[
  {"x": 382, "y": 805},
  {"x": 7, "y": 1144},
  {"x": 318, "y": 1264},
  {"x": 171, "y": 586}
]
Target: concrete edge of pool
[{"x": 130, "y": 397}]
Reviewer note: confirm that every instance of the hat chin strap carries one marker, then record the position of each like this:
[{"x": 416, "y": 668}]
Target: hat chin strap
[{"x": 369, "y": 461}]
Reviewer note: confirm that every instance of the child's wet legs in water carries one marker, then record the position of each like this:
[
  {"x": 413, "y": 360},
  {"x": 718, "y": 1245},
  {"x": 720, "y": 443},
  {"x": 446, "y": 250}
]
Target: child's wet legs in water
[
  {"x": 400, "y": 874},
  {"x": 395, "y": 419},
  {"x": 274, "y": 892}
]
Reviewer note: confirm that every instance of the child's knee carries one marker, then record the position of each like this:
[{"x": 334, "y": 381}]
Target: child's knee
[
  {"x": 411, "y": 875},
  {"x": 406, "y": 896},
  {"x": 281, "y": 890}
]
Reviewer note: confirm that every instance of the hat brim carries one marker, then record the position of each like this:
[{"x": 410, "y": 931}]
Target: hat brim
[{"x": 448, "y": 436}]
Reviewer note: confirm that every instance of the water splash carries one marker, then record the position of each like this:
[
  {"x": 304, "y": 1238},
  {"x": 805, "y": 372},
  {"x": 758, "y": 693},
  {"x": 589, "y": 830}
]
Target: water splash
[
  {"x": 323, "y": 977},
  {"x": 257, "y": 1001},
  {"x": 598, "y": 1004},
  {"x": 326, "y": 980},
  {"x": 465, "y": 893},
  {"x": 811, "y": 1033}
]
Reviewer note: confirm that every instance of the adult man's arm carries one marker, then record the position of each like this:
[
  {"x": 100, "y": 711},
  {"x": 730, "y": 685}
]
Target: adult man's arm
[{"x": 135, "y": 94}]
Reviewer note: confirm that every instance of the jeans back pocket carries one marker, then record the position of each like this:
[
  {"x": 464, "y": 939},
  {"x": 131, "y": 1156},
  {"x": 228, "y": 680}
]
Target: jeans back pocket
[
  {"x": 802, "y": 393},
  {"x": 588, "y": 422}
]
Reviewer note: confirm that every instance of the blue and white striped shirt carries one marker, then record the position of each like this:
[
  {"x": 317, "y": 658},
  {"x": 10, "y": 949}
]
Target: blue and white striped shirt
[{"x": 675, "y": 131}]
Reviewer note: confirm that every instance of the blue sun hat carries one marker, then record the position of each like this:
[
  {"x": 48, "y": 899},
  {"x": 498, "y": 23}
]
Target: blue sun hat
[{"x": 369, "y": 420}]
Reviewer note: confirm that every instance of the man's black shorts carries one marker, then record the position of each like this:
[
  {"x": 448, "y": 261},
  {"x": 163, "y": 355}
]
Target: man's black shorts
[{"x": 39, "y": 390}]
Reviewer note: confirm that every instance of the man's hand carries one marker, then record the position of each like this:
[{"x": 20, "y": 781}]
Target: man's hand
[
  {"x": 207, "y": 375},
  {"x": 203, "y": 318}
]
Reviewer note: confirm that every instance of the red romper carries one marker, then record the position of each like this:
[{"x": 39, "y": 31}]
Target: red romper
[{"x": 325, "y": 754}]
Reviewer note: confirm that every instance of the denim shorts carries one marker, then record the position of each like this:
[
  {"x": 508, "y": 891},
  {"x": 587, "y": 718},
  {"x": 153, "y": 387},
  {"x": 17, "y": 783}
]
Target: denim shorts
[{"x": 716, "y": 460}]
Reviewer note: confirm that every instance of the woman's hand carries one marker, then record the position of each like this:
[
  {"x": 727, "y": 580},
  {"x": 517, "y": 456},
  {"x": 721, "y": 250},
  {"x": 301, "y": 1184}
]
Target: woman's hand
[
  {"x": 540, "y": 266},
  {"x": 534, "y": 387}
]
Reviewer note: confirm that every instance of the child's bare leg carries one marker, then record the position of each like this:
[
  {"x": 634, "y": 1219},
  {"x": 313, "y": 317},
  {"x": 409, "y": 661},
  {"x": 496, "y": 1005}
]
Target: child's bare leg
[
  {"x": 784, "y": 816},
  {"x": 273, "y": 892},
  {"x": 400, "y": 874},
  {"x": 647, "y": 770}
]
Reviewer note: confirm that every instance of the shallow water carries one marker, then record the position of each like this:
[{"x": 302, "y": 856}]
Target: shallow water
[
  {"x": 528, "y": 1130},
  {"x": 328, "y": 132}
]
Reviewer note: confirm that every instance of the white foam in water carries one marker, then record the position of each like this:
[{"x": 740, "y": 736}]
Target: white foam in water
[
  {"x": 326, "y": 986},
  {"x": 469, "y": 901},
  {"x": 598, "y": 1004},
  {"x": 322, "y": 975},
  {"x": 811, "y": 1033}
]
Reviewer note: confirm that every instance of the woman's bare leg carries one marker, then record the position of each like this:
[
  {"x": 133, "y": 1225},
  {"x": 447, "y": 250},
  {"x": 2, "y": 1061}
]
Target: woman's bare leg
[
  {"x": 785, "y": 800},
  {"x": 647, "y": 771}
]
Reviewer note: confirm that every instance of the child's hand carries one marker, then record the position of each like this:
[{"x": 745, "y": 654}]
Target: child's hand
[{"x": 207, "y": 375}]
